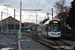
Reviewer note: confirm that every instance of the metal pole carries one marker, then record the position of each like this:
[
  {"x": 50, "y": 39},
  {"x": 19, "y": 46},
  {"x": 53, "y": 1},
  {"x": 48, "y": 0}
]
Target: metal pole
[
  {"x": 47, "y": 14},
  {"x": 14, "y": 21},
  {"x": 52, "y": 13},
  {"x": 36, "y": 27},
  {"x": 36, "y": 22},
  {"x": 20, "y": 18},
  {"x": 7, "y": 20},
  {"x": 1, "y": 22}
]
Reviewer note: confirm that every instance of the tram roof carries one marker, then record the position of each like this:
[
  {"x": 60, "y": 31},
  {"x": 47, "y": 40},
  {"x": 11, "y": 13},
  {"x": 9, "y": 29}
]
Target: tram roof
[
  {"x": 54, "y": 19},
  {"x": 47, "y": 22}
]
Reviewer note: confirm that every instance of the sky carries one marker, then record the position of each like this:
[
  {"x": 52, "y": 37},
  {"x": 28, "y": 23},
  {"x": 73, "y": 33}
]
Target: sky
[{"x": 29, "y": 16}]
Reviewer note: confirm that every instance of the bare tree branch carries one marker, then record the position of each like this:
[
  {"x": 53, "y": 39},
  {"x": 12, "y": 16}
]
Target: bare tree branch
[{"x": 61, "y": 7}]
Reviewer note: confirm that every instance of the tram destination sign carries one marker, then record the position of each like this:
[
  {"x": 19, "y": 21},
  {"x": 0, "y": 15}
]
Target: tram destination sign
[{"x": 55, "y": 21}]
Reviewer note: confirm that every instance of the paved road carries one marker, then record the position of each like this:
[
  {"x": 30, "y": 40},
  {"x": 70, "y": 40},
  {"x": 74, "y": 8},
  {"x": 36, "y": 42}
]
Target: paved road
[
  {"x": 8, "y": 42},
  {"x": 28, "y": 43}
]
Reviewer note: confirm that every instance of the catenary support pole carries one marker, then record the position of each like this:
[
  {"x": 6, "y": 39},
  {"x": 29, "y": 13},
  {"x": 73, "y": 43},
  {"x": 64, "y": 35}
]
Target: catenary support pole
[
  {"x": 14, "y": 21},
  {"x": 20, "y": 18},
  {"x": 1, "y": 22}
]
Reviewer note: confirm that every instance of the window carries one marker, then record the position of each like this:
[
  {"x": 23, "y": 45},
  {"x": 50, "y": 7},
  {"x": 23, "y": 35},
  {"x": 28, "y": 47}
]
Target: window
[
  {"x": 12, "y": 21},
  {"x": 55, "y": 27},
  {"x": 9, "y": 21}
]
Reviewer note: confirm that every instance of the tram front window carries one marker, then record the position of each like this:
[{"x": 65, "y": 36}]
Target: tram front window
[{"x": 55, "y": 27}]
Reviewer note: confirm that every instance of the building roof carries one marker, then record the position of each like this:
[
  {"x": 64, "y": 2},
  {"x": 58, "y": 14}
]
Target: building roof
[
  {"x": 28, "y": 23},
  {"x": 10, "y": 17}
]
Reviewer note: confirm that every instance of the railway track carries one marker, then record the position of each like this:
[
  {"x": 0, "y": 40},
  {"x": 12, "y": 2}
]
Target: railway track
[
  {"x": 57, "y": 45},
  {"x": 64, "y": 45}
]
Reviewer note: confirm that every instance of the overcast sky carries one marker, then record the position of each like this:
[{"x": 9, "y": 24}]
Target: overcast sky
[{"x": 29, "y": 16}]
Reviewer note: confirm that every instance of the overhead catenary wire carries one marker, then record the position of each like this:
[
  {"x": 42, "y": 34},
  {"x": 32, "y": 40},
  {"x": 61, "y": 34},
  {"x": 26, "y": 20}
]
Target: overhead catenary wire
[
  {"x": 38, "y": 4},
  {"x": 36, "y": 9},
  {"x": 27, "y": 3},
  {"x": 45, "y": 6}
]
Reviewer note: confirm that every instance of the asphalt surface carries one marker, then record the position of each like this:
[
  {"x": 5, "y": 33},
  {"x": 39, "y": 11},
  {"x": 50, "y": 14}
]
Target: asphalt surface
[
  {"x": 28, "y": 43},
  {"x": 8, "y": 42}
]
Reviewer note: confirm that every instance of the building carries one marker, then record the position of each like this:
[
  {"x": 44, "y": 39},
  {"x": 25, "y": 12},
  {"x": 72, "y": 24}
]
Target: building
[
  {"x": 10, "y": 24},
  {"x": 31, "y": 24},
  {"x": 39, "y": 28},
  {"x": 26, "y": 24}
]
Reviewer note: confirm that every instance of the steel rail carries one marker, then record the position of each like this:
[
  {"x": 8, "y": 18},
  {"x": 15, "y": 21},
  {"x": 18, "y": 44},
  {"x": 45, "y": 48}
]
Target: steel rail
[
  {"x": 41, "y": 42},
  {"x": 32, "y": 35}
]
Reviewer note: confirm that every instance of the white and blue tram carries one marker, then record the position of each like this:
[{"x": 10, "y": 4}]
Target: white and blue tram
[{"x": 51, "y": 28}]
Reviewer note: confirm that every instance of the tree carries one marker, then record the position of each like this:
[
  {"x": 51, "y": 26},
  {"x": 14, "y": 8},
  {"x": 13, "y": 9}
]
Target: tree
[
  {"x": 61, "y": 9},
  {"x": 71, "y": 15}
]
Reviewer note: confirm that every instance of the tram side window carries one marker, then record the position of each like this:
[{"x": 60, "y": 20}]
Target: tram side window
[
  {"x": 43, "y": 28},
  {"x": 46, "y": 27},
  {"x": 49, "y": 28}
]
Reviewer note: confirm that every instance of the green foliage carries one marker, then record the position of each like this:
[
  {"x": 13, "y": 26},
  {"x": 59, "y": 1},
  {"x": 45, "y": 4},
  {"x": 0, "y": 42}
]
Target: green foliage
[{"x": 71, "y": 15}]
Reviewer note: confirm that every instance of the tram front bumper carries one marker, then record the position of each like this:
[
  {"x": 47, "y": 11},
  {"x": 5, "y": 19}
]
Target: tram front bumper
[{"x": 54, "y": 36}]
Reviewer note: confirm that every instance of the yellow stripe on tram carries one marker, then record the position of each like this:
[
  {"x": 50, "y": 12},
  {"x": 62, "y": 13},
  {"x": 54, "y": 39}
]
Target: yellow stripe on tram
[{"x": 55, "y": 33}]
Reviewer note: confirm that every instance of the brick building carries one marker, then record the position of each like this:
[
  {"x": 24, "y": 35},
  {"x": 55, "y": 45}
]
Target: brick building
[{"x": 10, "y": 24}]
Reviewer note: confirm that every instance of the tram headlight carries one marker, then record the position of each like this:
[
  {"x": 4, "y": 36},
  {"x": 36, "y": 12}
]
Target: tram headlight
[
  {"x": 51, "y": 32},
  {"x": 58, "y": 33}
]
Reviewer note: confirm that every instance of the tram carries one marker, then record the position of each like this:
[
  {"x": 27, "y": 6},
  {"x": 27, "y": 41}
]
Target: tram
[
  {"x": 51, "y": 28},
  {"x": 26, "y": 28}
]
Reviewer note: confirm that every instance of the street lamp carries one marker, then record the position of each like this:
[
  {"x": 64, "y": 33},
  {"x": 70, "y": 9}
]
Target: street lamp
[
  {"x": 7, "y": 16},
  {"x": 52, "y": 13}
]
